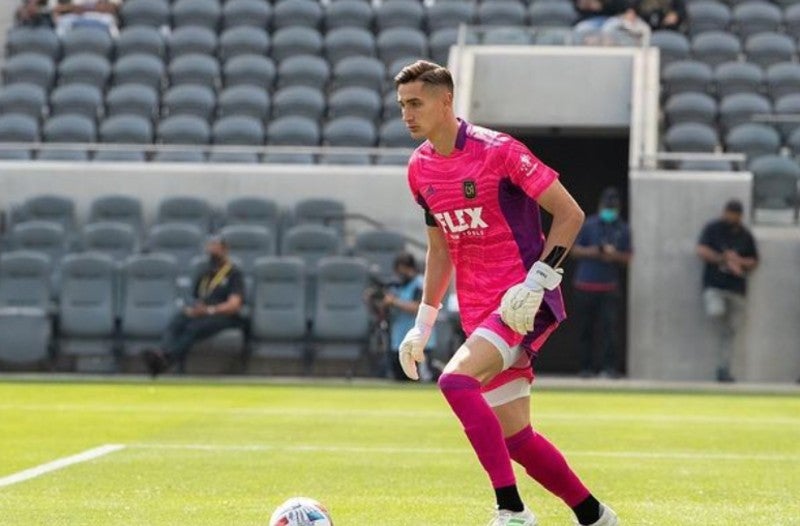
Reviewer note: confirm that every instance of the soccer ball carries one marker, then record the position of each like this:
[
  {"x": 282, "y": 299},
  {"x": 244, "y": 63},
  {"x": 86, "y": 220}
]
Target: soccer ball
[{"x": 301, "y": 511}]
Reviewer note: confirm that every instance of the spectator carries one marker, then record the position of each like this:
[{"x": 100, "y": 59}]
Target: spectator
[
  {"x": 34, "y": 13},
  {"x": 402, "y": 301},
  {"x": 219, "y": 296},
  {"x": 729, "y": 252},
  {"x": 615, "y": 23},
  {"x": 662, "y": 14},
  {"x": 603, "y": 248},
  {"x": 592, "y": 14},
  {"x": 80, "y": 13}
]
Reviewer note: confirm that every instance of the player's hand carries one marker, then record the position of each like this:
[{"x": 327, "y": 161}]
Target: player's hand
[
  {"x": 521, "y": 302},
  {"x": 412, "y": 348}
]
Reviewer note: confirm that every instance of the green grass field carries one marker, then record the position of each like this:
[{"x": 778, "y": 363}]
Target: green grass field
[{"x": 380, "y": 455}]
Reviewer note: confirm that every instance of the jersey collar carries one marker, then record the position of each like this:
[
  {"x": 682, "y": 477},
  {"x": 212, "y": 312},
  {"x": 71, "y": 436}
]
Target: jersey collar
[{"x": 461, "y": 136}]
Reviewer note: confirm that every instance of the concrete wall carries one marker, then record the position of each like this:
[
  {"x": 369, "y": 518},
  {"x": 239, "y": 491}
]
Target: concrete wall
[{"x": 669, "y": 336}]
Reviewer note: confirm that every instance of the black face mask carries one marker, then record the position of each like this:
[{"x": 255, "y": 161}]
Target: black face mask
[{"x": 215, "y": 260}]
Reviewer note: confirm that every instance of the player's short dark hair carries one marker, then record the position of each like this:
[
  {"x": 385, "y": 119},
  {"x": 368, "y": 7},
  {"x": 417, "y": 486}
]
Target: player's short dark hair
[
  {"x": 735, "y": 206},
  {"x": 425, "y": 71}
]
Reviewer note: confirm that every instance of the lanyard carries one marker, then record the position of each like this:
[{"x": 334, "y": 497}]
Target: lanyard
[{"x": 207, "y": 286}]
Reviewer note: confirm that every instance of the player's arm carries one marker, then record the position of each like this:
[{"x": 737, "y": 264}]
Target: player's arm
[{"x": 567, "y": 221}]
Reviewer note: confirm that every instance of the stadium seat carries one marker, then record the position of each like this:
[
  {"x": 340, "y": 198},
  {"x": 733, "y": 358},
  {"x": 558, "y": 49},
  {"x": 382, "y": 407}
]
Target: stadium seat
[
  {"x": 247, "y": 99},
  {"x": 195, "y": 68},
  {"x": 691, "y": 107},
  {"x": 205, "y": 13},
  {"x": 741, "y": 107},
  {"x": 754, "y": 16},
  {"x": 78, "y": 99},
  {"x": 183, "y": 129},
  {"x": 306, "y": 13},
  {"x": 768, "y": 48},
  {"x": 399, "y": 42},
  {"x": 192, "y": 39},
  {"x": 775, "y": 180},
  {"x": 84, "y": 68},
  {"x": 791, "y": 19},
  {"x": 48, "y": 207},
  {"x": 250, "y": 69},
  {"x": 132, "y": 99},
  {"x": 185, "y": 210},
  {"x": 310, "y": 242},
  {"x": 243, "y": 40},
  {"x": 248, "y": 242},
  {"x": 69, "y": 128},
  {"x": 399, "y": 14},
  {"x": 379, "y": 248},
  {"x": 304, "y": 70},
  {"x": 319, "y": 211},
  {"x": 738, "y": 77},
  {"x": 30, "y": 67},
  {"x": 753, "y": 140},
  {"x": 189, "y": 99},
  {"x": 691, "y": 137},
  {"x": 783, "y": 79},
  {"x": 552, "y": 14},
  {"x": 87, "y": 40},
  {"x": 254, "y": 13},
  {"x": 686, "y": 75},
  {"x": 15, "y": 127},
  {"x": 141, "y": 39},
  {"x": 23, "y": 98},
  {"x": 391, "y": 109},
  {"x": 501, "y": 14},
  {"x": 348, "y": 13},
  {"x": 366, "y": 72},
  {"x": 355, "y": 102},
  {"x": 708, "y": 15},
  {"x": 88, "y": 310},
  {"x": 292, "y": 131},
  {"x": 394, "y": 134},
  {"x": 125, "y": 129},
  {"x": 345, "y": 42},
  {"x": 237, "y": 130},
  {"x": 450, "y": 14},
  {"x": 716, "y": 47},
  {"x": 301, "y": 101},
  {"x": 349, "y": 131},
  {"x": 672, "y": 45},
  {"x": 788, "y": 104},
  {"x": 145, "y": 12},
  {"x": 296, "y": 40},
  {"x": 504, "y": 36},
  {"x": 116, "y": 240},
  {"x": 118, "y": 209},
  {"x": 257, "y": 211},
  {"x": 46, "y": 237},
  {"x": 443, "y": 39},
  {"x": 139, "y": 68},
  {"x": 181, "y": 241},
  {"x": 39, "y": 39}
]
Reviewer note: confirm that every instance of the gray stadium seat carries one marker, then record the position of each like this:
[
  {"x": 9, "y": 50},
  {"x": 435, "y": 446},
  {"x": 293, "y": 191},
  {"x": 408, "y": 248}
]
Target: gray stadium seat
[
  {"x": 184, "y": 129},
  {"x": 349, "y": 131},
  {"x": 347, "y": 13},
  {"x": 145, "y": 12},
  {"x": 292, "y": 131},
  {"x": 673, "y": 45},
  {"x": 237, "y": 130},
  {"x": 30, "y": 67},
  {"x": 379, "y": 248},
  {"x": 753, "y": 139},
  {"x": 46, "y": 237},
  {"x": 501, "y": 14},
  {"x": 391, "y": 109},
  {"x": 716, "y": 47},
  {"x": 708, "y": 16},
  {"x": 399, "y": 14},
  {"x": 69, "y": 128},
  {"x": 24, "y": 98},
  {"x": 347, "y": 42},
  {"x": 48, "y": 207},
  {"x": 189, "y": 99},
  {"x": 793, "y": 143},
  {"x": 367, "y": 72},
  {"x": 775, "y": 181},
  {"x": 691, "y": 137},
  {"x": 301, "y": 101},
  {"x": 788, "y": 104},
  {"x": 450, "y": 14},
  {"x": 118, "y": 209},
  {"x": 139, "y": 68},
  {"x": 791, "y": 18},
  {"x": 741, "y": 107},
  {"x": 76, "y": 98},
  {"x": 116, "y": 240},
  {"x": 254, "y": 13},
  {"x": 310, "y": 242},
  {"x": 783, "y": 79},
  {"x": 287, "y": 13},
  {"x": 196, "y": 13},
  {"x": 555, "y": 36},
  {"x": 15, "y": 127},
  {"x": 319, "y": 211},
  {"x": 356, "y": 102},
  {"x": 552, "y": 14},
  {"x": 257, "y": 211},
  {"x": 25, "y": 325},
  {"x": 125, "y": 129},
  {"x": 443, "y": 39},
  {"x": 141, "y": 39},
  {"x": 243, "y": 40},
  {"x": 686, "y": 75},
  {"x": 192, "y": 39},
  {"x": 768, "y": 48},
  {"x": 250, "y": 69},
  {"x": 248, "y": 243},
  {"x": 246, "y": 99},
  {"x": 181, "y": 241},
  {"x": 304, "y": 70},
  {"x": 691, "y": 107},
  {"x": 401, "y": 42},
  {"x": 185, "y": 210},
  {"x": 295, "y": 40},
  {"x": 738, "y": 77},
  {"x": 132, "y": 99},
  {"x": 84, "y": 68},
  {"x": 394, "y": 134},
  {"x": 39, "y": 39},
  {"x": 755, "y": 16},
  {"x": 503, "y": 36},
  {"x": 87, "y": 40},
  {"x": 194, "y": 68}
]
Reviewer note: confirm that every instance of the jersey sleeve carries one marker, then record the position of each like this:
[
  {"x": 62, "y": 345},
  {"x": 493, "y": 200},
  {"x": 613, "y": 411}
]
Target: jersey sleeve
[
  {"x": 413, "y": 185},
  {"x": 526, "y": 171}
]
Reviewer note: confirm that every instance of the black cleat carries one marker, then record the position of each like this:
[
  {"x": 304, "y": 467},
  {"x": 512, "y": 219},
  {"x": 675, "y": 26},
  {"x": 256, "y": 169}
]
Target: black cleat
[{"x": 155, "y": 361}]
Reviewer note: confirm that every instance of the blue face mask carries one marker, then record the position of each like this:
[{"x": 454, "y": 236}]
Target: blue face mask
[{"x": 608, "y": 215}]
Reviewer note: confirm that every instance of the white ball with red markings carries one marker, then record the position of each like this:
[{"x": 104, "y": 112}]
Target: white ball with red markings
[{"x": 301, "y": 511}]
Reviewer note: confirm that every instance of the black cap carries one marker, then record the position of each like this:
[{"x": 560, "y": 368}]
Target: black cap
[
  {"x": 405, "y": 259},
  {"x": 609, "y": 198},
  {"x": 735, "y": 206}
]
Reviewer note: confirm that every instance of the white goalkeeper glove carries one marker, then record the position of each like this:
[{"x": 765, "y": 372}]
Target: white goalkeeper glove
[
  {"x": 521, "y": 302},
  {"x": 412, "y": 348}
]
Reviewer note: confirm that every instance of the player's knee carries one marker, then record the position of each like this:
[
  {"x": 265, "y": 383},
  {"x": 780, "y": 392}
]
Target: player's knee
[{"x": 454, "y": 381}]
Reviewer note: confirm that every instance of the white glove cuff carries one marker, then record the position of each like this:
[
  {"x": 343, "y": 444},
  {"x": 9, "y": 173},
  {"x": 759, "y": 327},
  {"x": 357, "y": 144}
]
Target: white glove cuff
[
  {"x": 542, "y": 275},
  {"x": 426, "y": 316}
]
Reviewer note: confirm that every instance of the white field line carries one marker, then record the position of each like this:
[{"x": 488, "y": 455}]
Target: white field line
[
  {"x": 667, "y": 455},
  {"x": 49, "y": 467},
  {"x": 578, "y": 418}
]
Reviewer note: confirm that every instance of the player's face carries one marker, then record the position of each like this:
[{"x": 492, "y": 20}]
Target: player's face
[{"x": 424, "y": 107}]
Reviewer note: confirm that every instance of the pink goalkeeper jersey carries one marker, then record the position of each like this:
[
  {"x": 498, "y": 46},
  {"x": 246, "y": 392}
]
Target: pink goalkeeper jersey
[{"x": 483, "y": 199}]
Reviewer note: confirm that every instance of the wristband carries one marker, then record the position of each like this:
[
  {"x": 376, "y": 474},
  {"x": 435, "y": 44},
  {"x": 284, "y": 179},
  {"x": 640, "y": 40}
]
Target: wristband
[{"x": 426, "y": 316}]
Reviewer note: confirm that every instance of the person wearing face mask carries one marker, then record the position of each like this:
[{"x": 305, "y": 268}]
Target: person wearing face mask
[
  {"x": 603, "y": 249},
  {"x": 218, "y": 298},
  {"x": 728, "y": 251}
]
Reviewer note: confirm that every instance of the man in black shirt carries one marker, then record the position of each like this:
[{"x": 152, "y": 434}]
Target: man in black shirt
[
  {"x": 219, "y": 296},
  {"x": 729, "y": 251}
]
